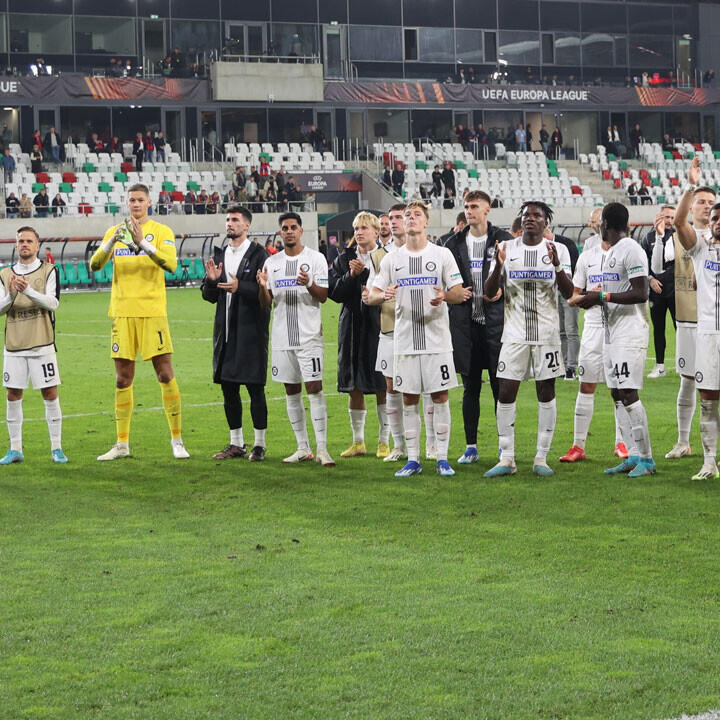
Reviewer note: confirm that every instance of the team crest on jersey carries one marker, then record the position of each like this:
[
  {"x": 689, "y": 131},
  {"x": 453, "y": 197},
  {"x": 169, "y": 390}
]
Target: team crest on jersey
[
  {"x": 305, "y": 267},
  {"x": 430, "y": 266},
  {"x": 501, "y": 366},
  {"x": 115, "y": 347},
  {"x": 149, "y": 237},
  {"x": 274, "y": 371},
  {"x": 580, "y": 371},
  {"x": 398, "y": 381},
  {"x": 612, "y": 262},
  {"x": 698, "y": 377},
  {"x": 6, "y": 377},
  {"x": 681, "y": 362},
  {"x": 546, "y": 259},
  {"x": 383, "y": 364}
]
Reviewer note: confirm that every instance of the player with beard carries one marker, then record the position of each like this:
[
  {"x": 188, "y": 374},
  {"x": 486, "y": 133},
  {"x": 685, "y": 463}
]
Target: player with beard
[
  {"x": 623, "y": 302},
  {"x": 422, "y": 278},
  {"x": 533, "y": 270},
  {"x": 240, "y": 332},
  {"x": 697, "y": 201},
  {"x": 386, "y": 234},
  {"x": 295, "y": 280}
]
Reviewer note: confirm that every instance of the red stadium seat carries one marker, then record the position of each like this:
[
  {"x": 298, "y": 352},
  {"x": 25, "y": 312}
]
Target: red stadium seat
[
  {"x": 69, "y": 177},
  {"x": 177, "y": 196},
  {"x": 576, "y": 190},
  {"x": 676, "y": 155},
  {"x": 43, "y": 177},
  {"x": 606, "y": 174},
  {"x": 127, "y": 167},
  {"x": 616, "y": 182},
  {"x": 84, "y": 209},
  {"x": 674, "y": 181},
  {"x": 626, "y": 173}
]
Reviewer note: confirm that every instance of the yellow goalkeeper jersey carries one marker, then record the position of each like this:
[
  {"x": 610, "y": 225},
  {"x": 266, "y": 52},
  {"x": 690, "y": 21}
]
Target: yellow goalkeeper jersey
[{"x": 138, "y": 285}]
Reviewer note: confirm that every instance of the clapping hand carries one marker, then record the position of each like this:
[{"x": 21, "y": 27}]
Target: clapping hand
[
  {"x": 212, "y": 270},
  {"x": 357, "y": 266},
  {"x": 231, "y": 286},
  {"x": 694, "y": 172},
  {"x": 439, "y": 298}
]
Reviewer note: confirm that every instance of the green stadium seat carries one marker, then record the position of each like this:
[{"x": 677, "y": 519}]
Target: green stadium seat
[
  {"x": 120, "y": 177},
  {"x": 611, "y": 157},
  {"x": 104, "y": 187},
  {"x": 473, "y": 173},
  {"x": 71, "y": 274},
  {"x": 622, "y": 165},
  {"x": 100, "y": 276},
  {"x": 61, "y": 273},
  {"x": 109, "y": 271},
  {"x": 655, "y": 181},
  {"x": 459, "y": 165},
  {"x": 112, "y": 209},
  {"x": 667, "y": 155},
  {"x": 192, "y": 185},
  {"x": 716, "y": 154},
  {"x": 189, "y": 268},
  {"x": 661, "y": 199},
  {"x": 420, "y": 165},
  {"x": 37, "y": 187},
  {"x": 199, "y": 267},
  {"x": 83, "y": 274},
  {"x": 65, "y": 187},
  {"x": 167, "y": 185},
  {"x": 89, "y": 168}
]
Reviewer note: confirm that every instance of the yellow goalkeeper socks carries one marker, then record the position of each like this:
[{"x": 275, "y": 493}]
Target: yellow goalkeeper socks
[
  {"x": 123, "y": 412},
  {"x": 171, "y": 403}
]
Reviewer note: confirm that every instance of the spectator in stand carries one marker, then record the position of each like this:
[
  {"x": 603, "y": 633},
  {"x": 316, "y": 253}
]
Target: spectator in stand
[
  {"x": 556, "y": 143},
  {"x": 463, "y": 136},
  {"x": 165, "y": 202},
  {"x": 645, "y": 80},
  {"x": 255, "y": 175},
  {"x": 57, "y": 206},
  {"x": 190, "y": 202},
  {"x": 269, "y": 247},
  {"x": 42, "y": 203},
  {"x": 310, "y": 202},
  {"x": 112, "y": 70},
  {"x": 449, "y": 200},
  {"x": 238, "y": 179},
  {"x": 520, "y": 138},
  {"x": 36, "y": 160},
  {"x": 201, "y": 203},
  {"x": 448, "y": 177},
  {"x": 26, "y": 206},
  {"x": 8, "y": 164},
  {"x": 213, "y": 203},
  {"x": 11, "y": 206},
  {"x": 636, "y": 139},
  {"x": 36, "y": 139},
  {"x": 437, "y": 179},
  {"x": 138, "y": 151},
  {"x": 96, "y": 144},
  {"x": 148, "y": 147},
  {"x": 528, "y": 138},
  {"x": 667, "y": 144},
  {"x": 461, "y": 79},
  {"x": 544, "y": 139},
  {"x": 620, "y": 146},
  {"x": 387, "y": 178},
  {"x": 166, "y": 66},
  {"x": 52, "y": 145},
  {"x": 482, "y": 139},
  {"x": 708, "y": 77},
  {"x": 472, "y": 77},
  {"x": 398, "y": 180},
  {"x": 632, "y": 192},
  {"x": 49, "y": 257},
  {"x": 178, "y": 63},
  {"x": 251, "y": 187},
  {"x": 644, "y": 194},
  {"x": 280, "y": 180},
  {"x": 231, "y": 198},
  {"x": 611, "y": 140},
  {"x": 160, "y": 147},
  {"x": 497, "y": 201}
]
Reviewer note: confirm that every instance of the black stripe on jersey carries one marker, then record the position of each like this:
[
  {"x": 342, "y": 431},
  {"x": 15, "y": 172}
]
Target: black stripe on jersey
[
  {"x": 418, "y": 318},
  {"x": 530, "y": 296},
  {"x": 717, "y": 301},
  {"x": 415, "y": 265},
  {"x": 291, "y": 306}
]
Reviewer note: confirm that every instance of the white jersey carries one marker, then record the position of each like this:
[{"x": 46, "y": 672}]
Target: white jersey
[
  {"x": 625, "y": 325},
  {"x": 588, "y": 275},
  {"x": 531, "y": 303},
  {"x": 297, "y": 317},
  {"x": 592, "y": 242},
  {"x": 706, "y": 261},
  {"x": 476, "y": 252},
  {"x": 420, "y": 328}
]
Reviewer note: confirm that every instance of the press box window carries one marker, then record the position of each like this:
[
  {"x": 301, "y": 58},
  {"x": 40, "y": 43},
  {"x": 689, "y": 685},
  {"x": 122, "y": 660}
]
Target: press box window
[{"x": 411, "y": 43}]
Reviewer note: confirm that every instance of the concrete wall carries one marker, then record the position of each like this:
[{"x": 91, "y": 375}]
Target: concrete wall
[{"x": 260, "y": 81}]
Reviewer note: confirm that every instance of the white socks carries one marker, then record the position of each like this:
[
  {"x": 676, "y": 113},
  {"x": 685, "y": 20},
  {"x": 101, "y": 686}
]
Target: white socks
[
  {"x": 236, "y": 436},
  {"x": 506, "y": 430},
  {"x": 357, "y": 423},
  {"x": 14, "y": 422},
  {"x": 411, "y": 416},
  {"x": 584, "y": 404},
  {"x": 383, "y": 426},
  {"x": 547, "y": 417},
  {"x": 428, "y": 412},
  {"x": 298, "y": 421},
  {"x": 260, "y": 437},
  {"x": 686, "y": 400},
  {"x": 442, "y": 429},
  {"x": 394, "y": 411},
  {"x": 53, "y": 415},
  {"x": 622, "y": 425},
  {"x": 318, "y": 415},
  {"x": 639, "y": 424},
  {"x": 709, "y": 428}
]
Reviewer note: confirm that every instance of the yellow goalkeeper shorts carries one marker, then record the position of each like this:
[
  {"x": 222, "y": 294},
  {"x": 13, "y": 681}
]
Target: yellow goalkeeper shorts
[{"x": 150, "y": 336}]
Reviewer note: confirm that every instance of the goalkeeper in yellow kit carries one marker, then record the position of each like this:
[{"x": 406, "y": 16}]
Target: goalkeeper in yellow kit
[{"x": 142, "y": 250}]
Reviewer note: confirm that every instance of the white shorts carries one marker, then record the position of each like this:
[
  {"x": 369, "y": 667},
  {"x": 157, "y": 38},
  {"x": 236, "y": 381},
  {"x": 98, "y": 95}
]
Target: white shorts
[
  {"x": 302, "y": 365},
  {"x": 624, "y": 366},
  {"x": 429, "y": 373},
  {"x": 18, "y": 371},
  {"x": 590, "y": 359},
  {"x": 517, "y": 359},
  {"x": 384, "y": 363},
  {"x": 707, "y": 365},
  {"x": 685, "y": 350}
]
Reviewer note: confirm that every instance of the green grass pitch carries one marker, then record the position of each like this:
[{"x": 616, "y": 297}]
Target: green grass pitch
[{"x": 153, "y": 588}]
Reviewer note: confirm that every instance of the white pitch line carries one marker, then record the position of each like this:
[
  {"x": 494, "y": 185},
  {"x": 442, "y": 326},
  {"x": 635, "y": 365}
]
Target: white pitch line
[{"x": 709, "y": 715}]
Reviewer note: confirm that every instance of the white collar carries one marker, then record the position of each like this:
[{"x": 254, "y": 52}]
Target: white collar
[
  {"x": 242, "y": 247},
  {"x": 23, "y": 269}
]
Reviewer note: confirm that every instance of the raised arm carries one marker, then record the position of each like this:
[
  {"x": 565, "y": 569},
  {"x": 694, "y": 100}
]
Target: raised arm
[
  {"x": 685, "y": 231},
  {"x": 492, "y": 284}
]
